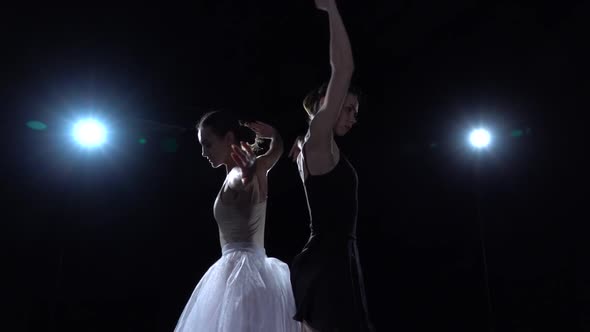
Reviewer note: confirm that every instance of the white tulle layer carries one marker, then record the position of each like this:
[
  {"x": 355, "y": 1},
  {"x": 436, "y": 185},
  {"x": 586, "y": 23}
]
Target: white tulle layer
[{"x": 244, "y": 291}]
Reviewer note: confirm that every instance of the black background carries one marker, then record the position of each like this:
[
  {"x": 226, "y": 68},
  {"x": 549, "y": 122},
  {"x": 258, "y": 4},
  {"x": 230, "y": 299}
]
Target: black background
[{"x": 115, "y": 239}]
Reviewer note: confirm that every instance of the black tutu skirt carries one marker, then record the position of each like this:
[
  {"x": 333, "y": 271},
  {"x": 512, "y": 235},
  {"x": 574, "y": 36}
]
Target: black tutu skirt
[{"x": 328, "y": 285}]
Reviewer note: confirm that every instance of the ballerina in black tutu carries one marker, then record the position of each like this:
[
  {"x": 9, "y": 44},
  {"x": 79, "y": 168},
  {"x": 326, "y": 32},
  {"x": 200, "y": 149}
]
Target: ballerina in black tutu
[
  {"x": 326, "y": 276},
  {"x": 244, "y": 291}
]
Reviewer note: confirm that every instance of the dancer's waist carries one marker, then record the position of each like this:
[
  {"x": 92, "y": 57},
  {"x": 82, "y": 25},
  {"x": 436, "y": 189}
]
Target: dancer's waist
[
  {"x": 242, "y": 246},
  {"x": 334, "y": 236}
]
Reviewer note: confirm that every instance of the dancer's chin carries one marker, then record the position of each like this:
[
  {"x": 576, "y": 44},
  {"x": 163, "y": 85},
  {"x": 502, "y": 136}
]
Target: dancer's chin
[{"x": 342, "y": 132}]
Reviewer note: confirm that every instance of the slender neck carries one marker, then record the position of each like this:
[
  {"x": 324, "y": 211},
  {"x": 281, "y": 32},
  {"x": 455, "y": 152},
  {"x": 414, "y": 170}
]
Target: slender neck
[{"x": 229, "y": 163}]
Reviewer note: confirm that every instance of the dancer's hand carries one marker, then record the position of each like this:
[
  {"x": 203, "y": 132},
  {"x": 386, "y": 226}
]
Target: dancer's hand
[
  {"x": 325, "y": 5},
  {"x": 296, "y": 149},
  {"x": 261, "y": 129},
  {"x": 245, "y": 159}
]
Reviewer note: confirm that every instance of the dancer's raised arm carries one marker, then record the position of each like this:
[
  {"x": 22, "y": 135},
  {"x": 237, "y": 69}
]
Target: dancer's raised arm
[
  {"x": 342, "y": 64},
  {"x": 269, "y": 159}
]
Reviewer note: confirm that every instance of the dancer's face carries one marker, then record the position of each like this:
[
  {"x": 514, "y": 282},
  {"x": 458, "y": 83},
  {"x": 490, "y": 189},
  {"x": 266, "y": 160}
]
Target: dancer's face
[
  {"x": 215, "y": 148},
  {"x": 348, "y": 114}
]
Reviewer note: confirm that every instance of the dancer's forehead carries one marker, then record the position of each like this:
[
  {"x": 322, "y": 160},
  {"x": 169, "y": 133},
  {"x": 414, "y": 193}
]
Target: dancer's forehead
[
  {"x": 202, "y": 134},
  {"x": 206, "y": 134}
]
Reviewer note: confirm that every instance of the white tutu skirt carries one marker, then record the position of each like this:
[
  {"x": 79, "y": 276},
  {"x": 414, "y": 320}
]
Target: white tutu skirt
[{"x": 243, "y": 291}]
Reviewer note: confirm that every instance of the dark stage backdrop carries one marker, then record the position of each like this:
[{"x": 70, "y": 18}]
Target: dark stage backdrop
[{"x": 115, "y": 239}]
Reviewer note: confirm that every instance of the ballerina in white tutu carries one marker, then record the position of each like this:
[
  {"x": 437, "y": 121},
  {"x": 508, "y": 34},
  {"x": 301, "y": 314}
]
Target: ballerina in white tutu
[{"x": 244, "y": 290}]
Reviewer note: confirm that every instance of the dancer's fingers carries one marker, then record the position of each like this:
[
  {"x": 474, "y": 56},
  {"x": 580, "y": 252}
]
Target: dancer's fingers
[
  {"x": 237, "y": 150},
  {"x": 246, "y": 147},
  {"x": 237, "y": 159},
  {"x": 238, "y": 156}
]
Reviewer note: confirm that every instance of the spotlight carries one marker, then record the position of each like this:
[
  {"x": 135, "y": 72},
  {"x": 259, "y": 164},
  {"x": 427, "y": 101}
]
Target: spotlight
[
  {"x": 90, "y": 133},
  {"x": 480, "y": 138}
]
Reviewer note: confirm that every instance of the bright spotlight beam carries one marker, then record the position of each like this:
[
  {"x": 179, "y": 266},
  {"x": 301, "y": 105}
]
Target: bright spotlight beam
[
  {"x": 480, "y": 138},
  {"x": 90, "y": 133}
]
